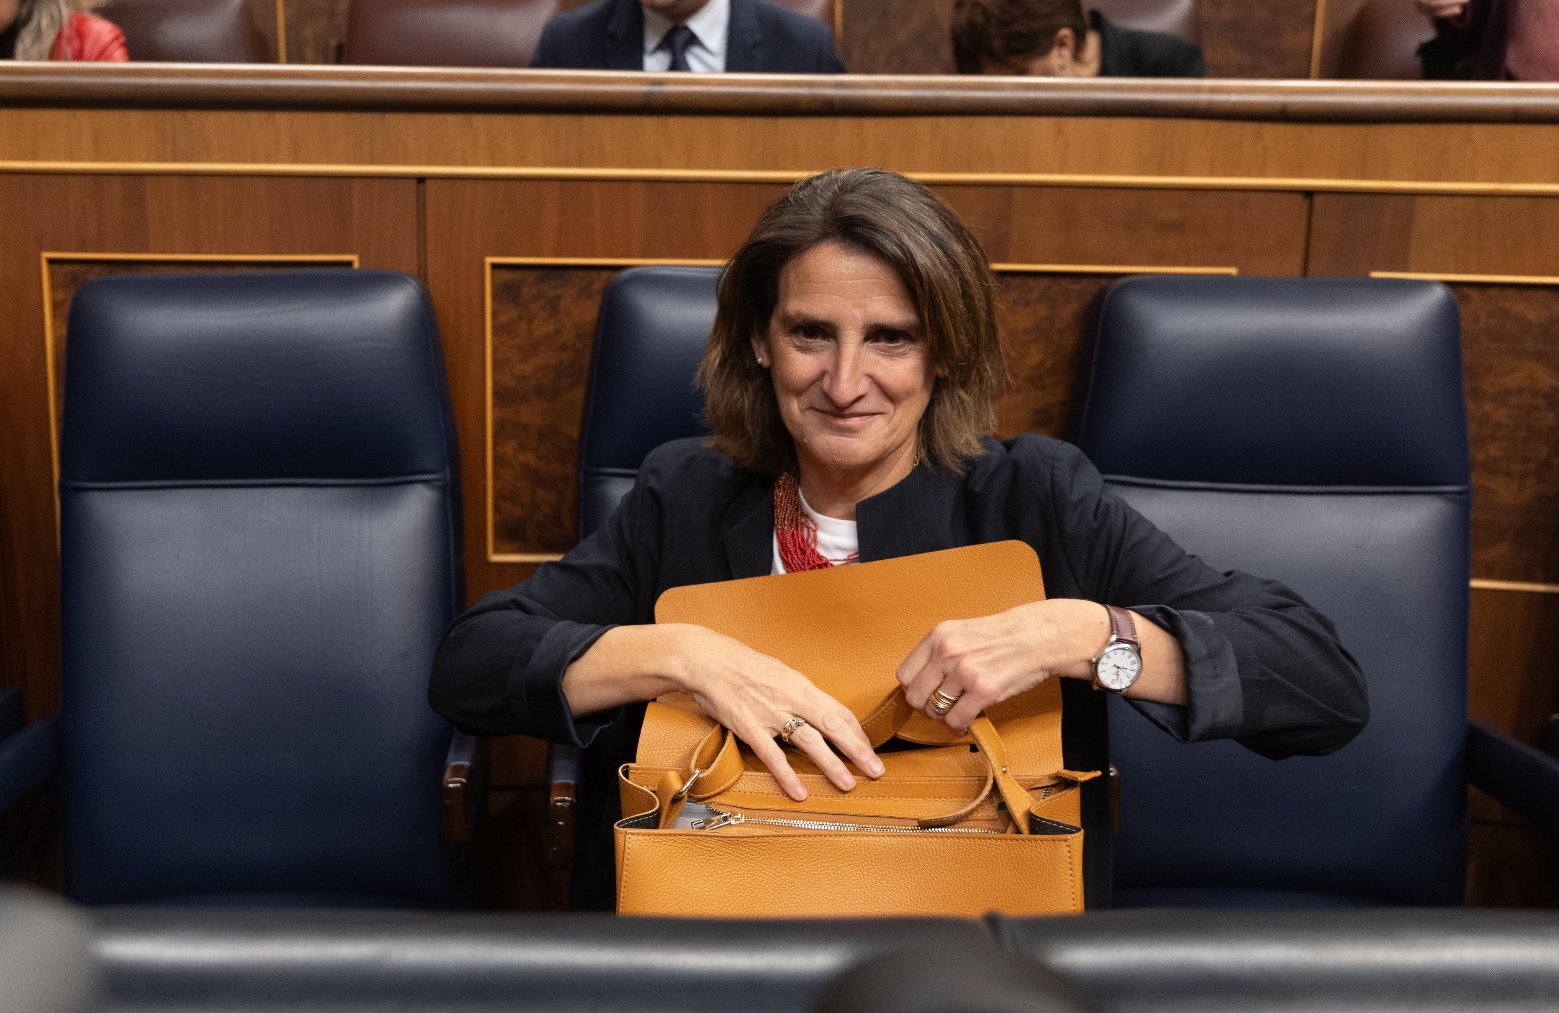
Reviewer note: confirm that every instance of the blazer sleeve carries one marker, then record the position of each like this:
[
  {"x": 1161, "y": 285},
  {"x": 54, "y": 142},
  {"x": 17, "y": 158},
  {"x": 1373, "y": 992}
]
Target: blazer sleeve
[
  {"x": 1262, "y": 666},
  {"x": 550, "y": 51},
  {"x": 499, "y": 669}
]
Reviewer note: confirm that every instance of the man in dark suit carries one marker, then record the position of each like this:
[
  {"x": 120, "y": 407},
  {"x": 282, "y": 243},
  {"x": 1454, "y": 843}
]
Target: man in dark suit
[{"x": 707, "y": 35}]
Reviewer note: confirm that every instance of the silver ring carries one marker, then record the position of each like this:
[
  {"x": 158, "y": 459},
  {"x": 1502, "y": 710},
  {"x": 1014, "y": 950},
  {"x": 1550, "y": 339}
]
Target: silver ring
[
  {"x": 940, "y": 702},
  {"x": 790, "y": 727}
]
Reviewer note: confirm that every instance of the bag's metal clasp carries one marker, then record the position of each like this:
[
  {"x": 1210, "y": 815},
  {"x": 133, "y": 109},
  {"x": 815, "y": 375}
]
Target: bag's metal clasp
[{"x": 681, "y": 793}]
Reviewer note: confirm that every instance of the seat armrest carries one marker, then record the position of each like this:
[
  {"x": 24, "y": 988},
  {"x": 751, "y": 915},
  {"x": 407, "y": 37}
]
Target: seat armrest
[
  {"x": 1520, "y": 776},
  {"x": 562, "y": 795},
  {"x": 465, "y": 787},
  {"x": 28, "y": 758}
]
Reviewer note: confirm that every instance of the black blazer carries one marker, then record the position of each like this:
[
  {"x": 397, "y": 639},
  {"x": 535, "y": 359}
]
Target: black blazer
[
  {"x": 1126, "y": 52},
  {"x": 764, "y": 38}
]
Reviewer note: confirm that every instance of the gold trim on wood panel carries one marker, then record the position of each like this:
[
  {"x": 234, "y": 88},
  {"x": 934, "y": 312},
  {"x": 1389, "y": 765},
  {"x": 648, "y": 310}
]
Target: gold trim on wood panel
[
  {"x": 488, "y": 264},
  {"x": 628, "y": 174},
  {"x": 1317, "y": 39},
  {"x": 492, "y": 262},
  {"x": 51, "y": 354},
  {"x": 1519, "y": 586},
  {"x": 1109, "y": 269},
  {"x": 1471, "y": 279},
  {"x": 281, "y": 31}
]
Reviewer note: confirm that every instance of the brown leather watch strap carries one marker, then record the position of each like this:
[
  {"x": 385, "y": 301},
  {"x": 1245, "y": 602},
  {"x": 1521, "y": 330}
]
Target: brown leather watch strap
[{"x": 1123, "y": 625}]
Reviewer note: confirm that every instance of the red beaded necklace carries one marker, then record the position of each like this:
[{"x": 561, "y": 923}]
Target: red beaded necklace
[{"x": 796, "y": 531}]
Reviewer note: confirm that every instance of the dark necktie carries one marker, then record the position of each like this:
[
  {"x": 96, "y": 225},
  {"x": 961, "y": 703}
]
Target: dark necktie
[{"x": 678, "y": 40}]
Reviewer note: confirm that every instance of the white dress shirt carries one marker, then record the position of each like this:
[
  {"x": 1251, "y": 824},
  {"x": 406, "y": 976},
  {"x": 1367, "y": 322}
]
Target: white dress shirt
[{"x": 710, "y": 28}]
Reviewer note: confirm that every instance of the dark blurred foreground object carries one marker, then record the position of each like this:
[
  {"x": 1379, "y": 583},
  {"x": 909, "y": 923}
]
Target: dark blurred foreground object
[
  {"x": 188, "y": 31},
  {"x": 226, "y": 961},
  {"x": 259, "y": 548},
  {"x": 953, "y": 977},
  {"x": 46, "y": 959},
  {"x": 1312, "y": 430},
  {"x": 1496, "y": 40}
]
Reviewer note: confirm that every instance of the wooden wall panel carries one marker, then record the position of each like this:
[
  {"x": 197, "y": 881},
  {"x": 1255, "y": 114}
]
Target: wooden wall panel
[
  {"x": 1257, "y": 40},
  {"x": 313, "y": 26},
  {"x": 236, "y": 218}
]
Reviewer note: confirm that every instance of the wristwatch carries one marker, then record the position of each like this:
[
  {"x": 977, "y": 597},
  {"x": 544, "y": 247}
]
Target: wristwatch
[{"x": 1117, "y": 666}]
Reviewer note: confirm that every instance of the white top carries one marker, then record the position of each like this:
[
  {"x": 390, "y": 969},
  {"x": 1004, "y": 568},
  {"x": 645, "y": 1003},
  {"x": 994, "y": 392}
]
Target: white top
[
  {"x": 836, "y": 539},
  {"x": 711, "y": 27}
]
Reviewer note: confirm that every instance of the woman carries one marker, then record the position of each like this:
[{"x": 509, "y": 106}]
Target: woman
[
  {"x": 58, "y": 30},
  {"x": 851, "y": 380}
]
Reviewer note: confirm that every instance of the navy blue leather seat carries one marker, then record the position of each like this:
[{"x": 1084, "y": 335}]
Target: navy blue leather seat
[
  {"x": 649, "y": 337},
  {"x": 1311, "y": 430},
  {"x": 259, "y": 552}
]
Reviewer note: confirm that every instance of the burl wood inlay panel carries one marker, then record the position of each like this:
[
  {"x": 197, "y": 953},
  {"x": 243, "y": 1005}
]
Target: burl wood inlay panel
[
  {"x": 543, "y": 323},
  {"x": 1047, "y": 331},
  {"x": 1508, "y": 334}
]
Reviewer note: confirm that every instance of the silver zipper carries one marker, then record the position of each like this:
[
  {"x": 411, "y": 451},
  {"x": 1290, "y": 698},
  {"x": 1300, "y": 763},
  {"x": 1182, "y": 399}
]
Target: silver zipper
[{"x": 725, "y": 819}]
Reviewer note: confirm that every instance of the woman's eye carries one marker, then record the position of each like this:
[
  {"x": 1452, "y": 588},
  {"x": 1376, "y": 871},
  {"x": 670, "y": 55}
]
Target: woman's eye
[
  {"x": 894, "y": 338},
  {"x": 808, "y": 332}
]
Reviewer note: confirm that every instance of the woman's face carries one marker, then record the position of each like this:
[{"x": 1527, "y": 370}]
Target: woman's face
[{"x": 850, "y": 368}]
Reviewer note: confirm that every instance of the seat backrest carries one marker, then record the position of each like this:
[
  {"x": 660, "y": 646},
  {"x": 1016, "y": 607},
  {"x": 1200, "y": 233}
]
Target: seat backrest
[
  {"x": 188, "y": 31},
  {"x": 1313, "y": 431},
  {"x": 649, "y": 337},
  {"x": 444, "y": 33},
  {"x": 1173, "y": 17},
  {"x": 259, "y": 552},
  {"x": 1381, "y": 42}
]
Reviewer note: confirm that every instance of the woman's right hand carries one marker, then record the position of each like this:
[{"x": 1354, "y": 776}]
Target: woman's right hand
[
  {"x": 751, "y": 693},
  {"x": 754, "y": 695}
]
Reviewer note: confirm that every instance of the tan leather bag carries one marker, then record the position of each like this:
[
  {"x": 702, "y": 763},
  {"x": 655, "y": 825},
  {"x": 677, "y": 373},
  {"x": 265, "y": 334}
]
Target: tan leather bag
[{"x": 708, "y": 832}]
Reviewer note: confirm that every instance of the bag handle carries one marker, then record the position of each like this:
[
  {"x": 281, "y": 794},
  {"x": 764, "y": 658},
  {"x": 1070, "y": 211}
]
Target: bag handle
[{"x": 716, "y": 762}]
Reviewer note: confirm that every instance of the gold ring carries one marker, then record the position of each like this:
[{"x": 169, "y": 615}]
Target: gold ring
[
  {"x": 941, "y": 702},
  {"x": 790, "y": 727}
]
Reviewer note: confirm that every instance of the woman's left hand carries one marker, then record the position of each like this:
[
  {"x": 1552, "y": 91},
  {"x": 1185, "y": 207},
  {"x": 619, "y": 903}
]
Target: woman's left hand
[{"x": 984, "y": 661}]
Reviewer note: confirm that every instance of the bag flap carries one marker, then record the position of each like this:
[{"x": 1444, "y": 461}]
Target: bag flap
[{"x": 847, "y": 628}]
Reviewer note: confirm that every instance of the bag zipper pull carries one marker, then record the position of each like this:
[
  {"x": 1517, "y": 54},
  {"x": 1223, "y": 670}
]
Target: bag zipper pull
[{"x": 723, "y": 820}]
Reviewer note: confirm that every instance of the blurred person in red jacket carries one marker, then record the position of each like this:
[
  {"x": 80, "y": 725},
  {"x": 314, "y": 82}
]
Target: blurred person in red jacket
[{"x": 58, "y": 30}]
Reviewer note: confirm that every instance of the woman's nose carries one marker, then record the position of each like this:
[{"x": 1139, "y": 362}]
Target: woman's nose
[{"x": 846, "y": 380}]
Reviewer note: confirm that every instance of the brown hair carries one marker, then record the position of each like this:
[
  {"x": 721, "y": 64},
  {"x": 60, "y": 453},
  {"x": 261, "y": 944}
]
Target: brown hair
[
  {"x": 943, "y": 269},
  {"x": 1004, "y": 31}
]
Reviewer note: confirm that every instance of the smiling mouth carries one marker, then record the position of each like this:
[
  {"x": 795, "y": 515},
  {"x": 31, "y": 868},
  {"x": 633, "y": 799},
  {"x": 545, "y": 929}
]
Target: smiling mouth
[{"x": 846, "y": 418}]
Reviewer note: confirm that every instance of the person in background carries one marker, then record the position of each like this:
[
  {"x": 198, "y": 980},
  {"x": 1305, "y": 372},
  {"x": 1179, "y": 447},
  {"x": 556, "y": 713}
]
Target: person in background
[
  {"x": 742, "y": 36},
  {"x": 1057, "y": 38},
  {"x": 58, "y": 30},
  {"x": 1492, "y": 40}
]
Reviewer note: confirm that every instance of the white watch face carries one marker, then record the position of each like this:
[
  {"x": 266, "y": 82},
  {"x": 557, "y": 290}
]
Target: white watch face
[{"x": 1118, "y": 667}]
